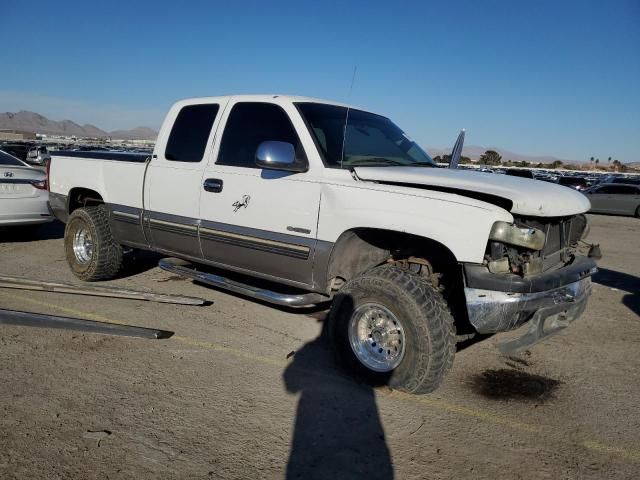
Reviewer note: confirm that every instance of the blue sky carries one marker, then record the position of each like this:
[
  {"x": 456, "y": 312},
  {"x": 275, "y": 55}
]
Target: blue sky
[{"x": 545, "y": 77}]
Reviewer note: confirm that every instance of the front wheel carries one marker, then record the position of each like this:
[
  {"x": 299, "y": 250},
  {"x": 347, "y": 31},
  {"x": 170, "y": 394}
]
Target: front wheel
[
  {"x": 92, "y": 253},
  {"x": 391, "y": 326}
]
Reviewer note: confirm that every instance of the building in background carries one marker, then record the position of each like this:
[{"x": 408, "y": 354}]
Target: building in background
[{"x": 17, "y": 135}]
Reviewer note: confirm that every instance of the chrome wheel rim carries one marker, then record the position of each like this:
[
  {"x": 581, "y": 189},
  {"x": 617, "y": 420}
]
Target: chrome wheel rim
[
  {"x": 376, "y": 337},
  {"x": 82, "y": 246}
]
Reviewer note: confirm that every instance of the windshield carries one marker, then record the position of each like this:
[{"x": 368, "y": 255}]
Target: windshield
[
  {"x": 6, "y": 159},
  {"x": 368, "y": 140}
]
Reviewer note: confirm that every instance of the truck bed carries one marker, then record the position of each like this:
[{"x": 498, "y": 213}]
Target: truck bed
[{"x": 117, "y": 176}]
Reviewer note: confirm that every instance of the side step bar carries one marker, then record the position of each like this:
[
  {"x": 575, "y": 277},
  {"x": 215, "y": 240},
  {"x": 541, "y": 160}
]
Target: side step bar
[{"x": 269, "y": 296}]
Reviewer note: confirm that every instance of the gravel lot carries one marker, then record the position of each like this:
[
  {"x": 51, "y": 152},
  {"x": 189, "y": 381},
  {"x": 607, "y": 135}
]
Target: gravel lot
[{"x": 221, "y": 398}]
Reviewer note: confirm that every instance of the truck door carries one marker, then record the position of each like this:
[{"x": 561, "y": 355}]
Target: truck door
[
  {"x": 174, "y": 178},
  {"x": 261, "y": 222}
]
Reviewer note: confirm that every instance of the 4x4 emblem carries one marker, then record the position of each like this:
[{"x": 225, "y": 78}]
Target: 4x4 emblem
[{"x": 237, "y": 205}]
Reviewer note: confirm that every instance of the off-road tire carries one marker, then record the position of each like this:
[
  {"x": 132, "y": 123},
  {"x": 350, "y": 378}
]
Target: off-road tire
[
  {"x": 106, "y": 257},
  {"x": 428, "y": 327}
]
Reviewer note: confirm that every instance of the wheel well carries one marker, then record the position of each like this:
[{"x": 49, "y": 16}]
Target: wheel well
[
  {"x": 82, "y": 197},
  {"x": 361, "y": 249}
]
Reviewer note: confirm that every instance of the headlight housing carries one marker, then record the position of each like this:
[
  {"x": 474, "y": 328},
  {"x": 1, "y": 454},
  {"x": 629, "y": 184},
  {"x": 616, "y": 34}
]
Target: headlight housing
[{"x": 505, "y": 232}]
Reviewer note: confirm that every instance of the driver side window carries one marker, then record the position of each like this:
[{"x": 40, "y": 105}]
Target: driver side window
[{"x": 250, "y": 124}]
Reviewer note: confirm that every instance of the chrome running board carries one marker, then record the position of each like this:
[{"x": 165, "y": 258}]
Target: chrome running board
[{"x": 269, "y": 296}]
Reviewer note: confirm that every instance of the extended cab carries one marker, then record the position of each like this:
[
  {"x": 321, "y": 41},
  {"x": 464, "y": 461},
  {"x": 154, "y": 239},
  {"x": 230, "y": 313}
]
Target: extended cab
[{"x": 329, "y": 202}]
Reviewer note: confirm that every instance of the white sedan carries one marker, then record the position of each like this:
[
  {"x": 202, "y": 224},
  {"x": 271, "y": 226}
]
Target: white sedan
[{"x": 23, "y": 193}]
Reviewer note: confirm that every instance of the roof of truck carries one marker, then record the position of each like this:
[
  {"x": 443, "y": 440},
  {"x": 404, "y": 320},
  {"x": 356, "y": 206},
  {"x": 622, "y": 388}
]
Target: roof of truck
[{"x": 262, "y": 98}]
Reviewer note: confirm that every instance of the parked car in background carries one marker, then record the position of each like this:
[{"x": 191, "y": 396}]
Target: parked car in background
[
  {"x": 578, "y": 183},
  {"x": 620, "y": 179},
  {"x": 518, "y": 172},
  {"x": 38, "y": 155},
  {"x": 16, "y": 149},
  {"x": 615, "y": 198},
  {"x": 546, "y": 177},
  {"x": 628, "y": 180},
  {"x": 23, "y": 193}
]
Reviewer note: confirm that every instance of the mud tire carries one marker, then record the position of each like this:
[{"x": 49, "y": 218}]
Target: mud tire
[{"x": 428, "y": 325}]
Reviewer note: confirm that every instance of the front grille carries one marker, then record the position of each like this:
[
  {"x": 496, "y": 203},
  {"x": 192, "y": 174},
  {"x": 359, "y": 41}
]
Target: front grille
[
  {"x": 561, "y": 235},
  {"x": 555, "y": 238}
]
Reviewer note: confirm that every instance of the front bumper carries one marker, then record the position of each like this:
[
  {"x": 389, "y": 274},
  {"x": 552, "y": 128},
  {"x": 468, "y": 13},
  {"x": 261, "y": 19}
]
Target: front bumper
[
  {"x": 547, "y": 311},
  {"x": 491, "y": 311},
  {"x": 478, "y": 276}
]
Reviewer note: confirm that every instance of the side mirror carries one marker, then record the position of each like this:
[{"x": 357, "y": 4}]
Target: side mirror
[{"x": 274, "y": 155}]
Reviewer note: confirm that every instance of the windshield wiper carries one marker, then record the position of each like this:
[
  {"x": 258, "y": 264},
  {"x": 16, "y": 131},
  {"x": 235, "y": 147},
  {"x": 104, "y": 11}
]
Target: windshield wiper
[
  {"x": 373, "y": 161},
  {"x": 383, "y": 161}
]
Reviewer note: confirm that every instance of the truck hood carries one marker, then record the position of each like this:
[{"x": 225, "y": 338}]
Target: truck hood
[{"x": 527, "y": 197}]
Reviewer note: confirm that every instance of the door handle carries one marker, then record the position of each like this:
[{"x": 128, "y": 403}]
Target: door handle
[{"x": 213, "y": 185}]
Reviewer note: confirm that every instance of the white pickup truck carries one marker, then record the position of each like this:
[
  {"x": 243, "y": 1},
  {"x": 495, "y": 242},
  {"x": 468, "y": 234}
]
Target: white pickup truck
[{"x": 304, "y": 201}]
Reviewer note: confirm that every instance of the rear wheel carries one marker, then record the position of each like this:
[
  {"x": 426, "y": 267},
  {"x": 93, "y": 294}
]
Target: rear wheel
[
  {"x": 392, "y": 327},
  {"x": 92, "y": 253}
]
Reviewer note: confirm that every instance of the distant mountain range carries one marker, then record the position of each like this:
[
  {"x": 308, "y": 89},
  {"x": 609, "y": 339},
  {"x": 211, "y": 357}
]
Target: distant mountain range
[
  {"x": 474, "y": 152},
  {"x": 34, "y": 122}
]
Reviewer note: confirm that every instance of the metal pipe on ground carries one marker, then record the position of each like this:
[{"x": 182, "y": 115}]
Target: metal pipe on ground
[
  {"x": 111, "y": 292},
  {"x": 41, "y": 320}
]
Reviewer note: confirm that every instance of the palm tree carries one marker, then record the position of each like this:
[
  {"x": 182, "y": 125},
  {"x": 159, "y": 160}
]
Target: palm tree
[{"x": 591, "y": 160}]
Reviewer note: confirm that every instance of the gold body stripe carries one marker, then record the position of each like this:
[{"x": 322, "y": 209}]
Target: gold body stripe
[
  {"x": 172, "y": 224},
  {"x": 263, "y": 241},
  {"x": 125, "y": 214}
]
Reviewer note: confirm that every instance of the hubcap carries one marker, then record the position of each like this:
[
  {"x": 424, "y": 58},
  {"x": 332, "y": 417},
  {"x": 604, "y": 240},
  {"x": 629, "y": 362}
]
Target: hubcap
[
  {"x": 376, "y": 337},
  {"x": 82, "y": 245}
]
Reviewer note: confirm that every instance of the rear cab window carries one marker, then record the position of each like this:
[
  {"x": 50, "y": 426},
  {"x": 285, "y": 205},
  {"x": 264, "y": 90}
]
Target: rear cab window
[{"x": 190, "y": 133}]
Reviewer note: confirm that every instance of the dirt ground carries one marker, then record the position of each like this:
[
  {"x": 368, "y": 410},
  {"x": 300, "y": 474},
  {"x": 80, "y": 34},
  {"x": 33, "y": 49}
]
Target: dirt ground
[{"x": 225, "y": 398}]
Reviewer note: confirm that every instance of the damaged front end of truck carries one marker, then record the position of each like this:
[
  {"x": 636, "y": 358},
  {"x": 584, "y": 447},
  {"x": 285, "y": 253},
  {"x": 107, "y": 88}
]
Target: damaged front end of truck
[{"x": 533, "y": 273}]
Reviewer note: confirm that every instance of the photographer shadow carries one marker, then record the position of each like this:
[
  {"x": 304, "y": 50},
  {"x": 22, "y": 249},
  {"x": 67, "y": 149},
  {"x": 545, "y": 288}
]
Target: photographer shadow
[
  {"x": 621, "y": 281},
  {"x": 337, "y": 430}
]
